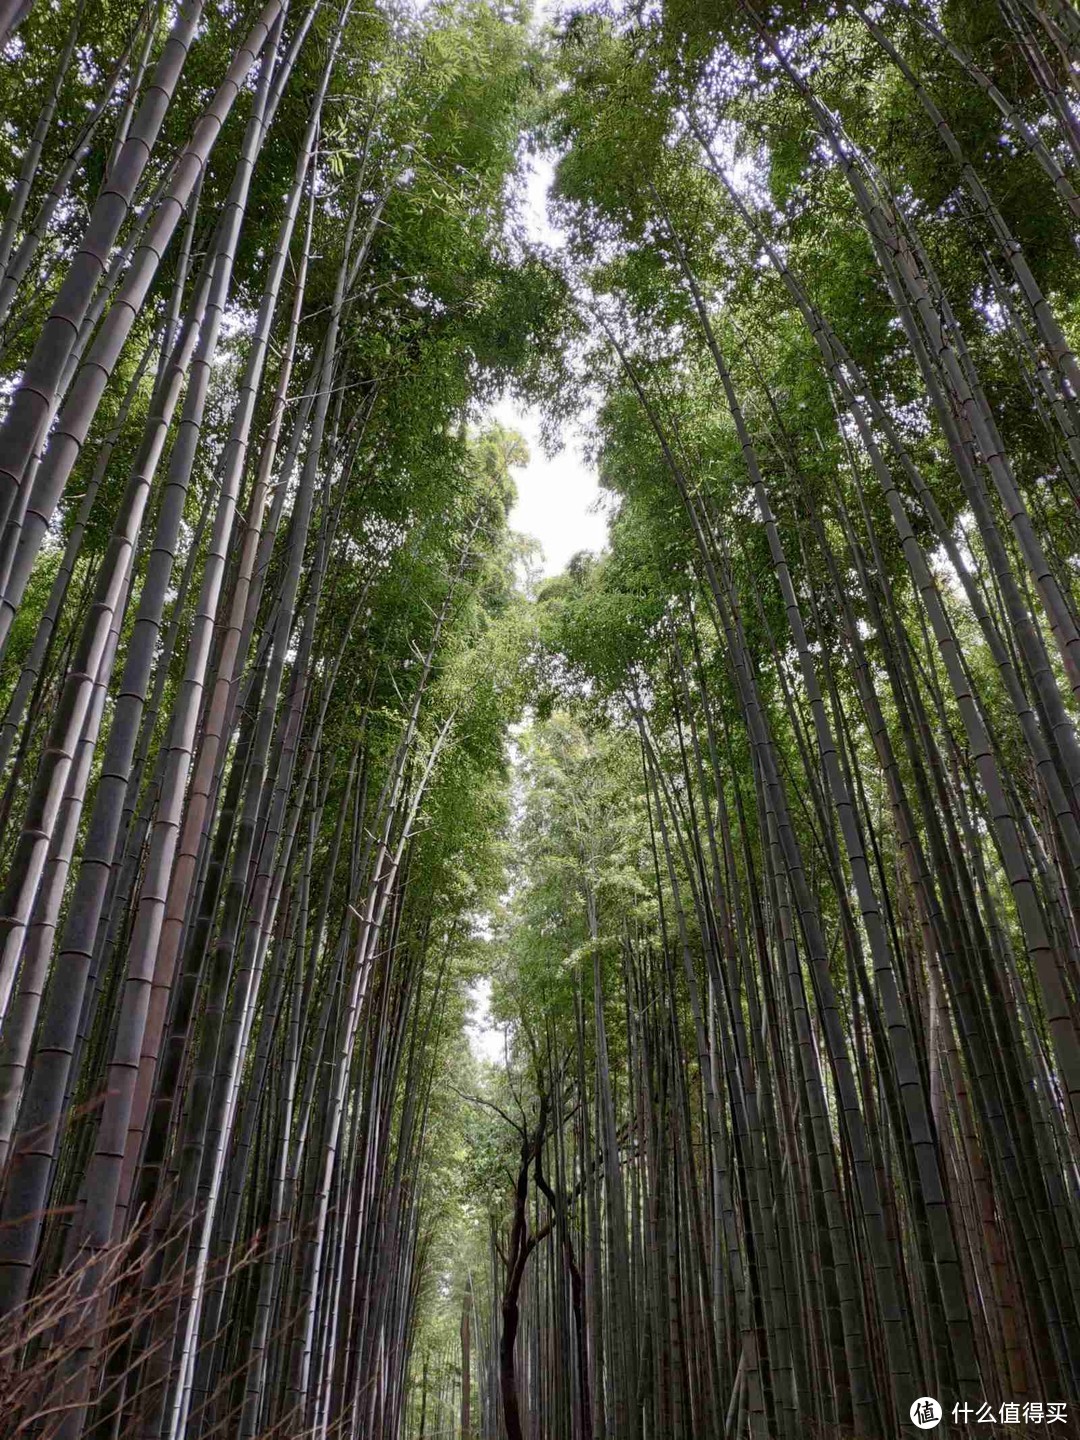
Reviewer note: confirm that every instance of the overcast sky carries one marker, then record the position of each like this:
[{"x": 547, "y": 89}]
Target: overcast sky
[{"x": 556, "y": 497}]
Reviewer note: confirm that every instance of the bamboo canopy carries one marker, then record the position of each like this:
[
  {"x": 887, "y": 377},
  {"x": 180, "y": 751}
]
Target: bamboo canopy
[{"x": 441, "y": 1000}]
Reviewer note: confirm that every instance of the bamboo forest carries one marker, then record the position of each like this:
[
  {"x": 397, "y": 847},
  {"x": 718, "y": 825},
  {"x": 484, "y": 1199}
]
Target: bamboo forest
[{"x": 453, "y": 993}]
